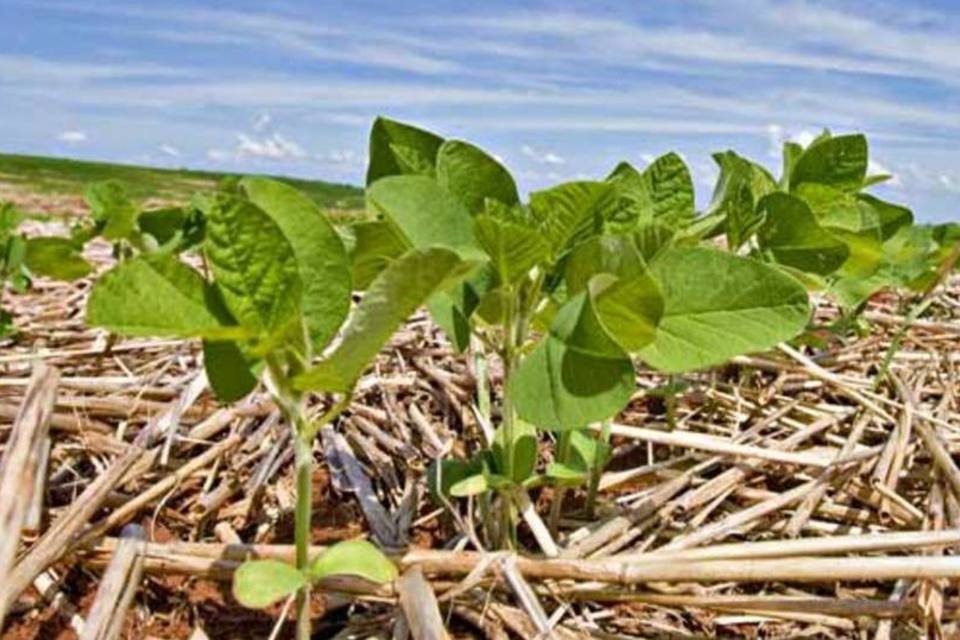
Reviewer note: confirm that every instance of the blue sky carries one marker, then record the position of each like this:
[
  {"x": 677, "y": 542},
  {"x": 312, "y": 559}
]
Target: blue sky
[{"x": 557, "y": 90}]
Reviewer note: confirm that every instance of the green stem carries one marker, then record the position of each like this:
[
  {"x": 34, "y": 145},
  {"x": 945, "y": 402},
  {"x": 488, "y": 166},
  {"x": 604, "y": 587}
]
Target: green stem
[
  {"x": 303, "y": 516},
  {"x": 596, "y": 471},
  {"x": 563, "y": 455}
]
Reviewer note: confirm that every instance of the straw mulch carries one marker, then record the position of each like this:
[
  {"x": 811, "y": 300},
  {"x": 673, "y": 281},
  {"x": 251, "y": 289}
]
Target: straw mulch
[{"x": 791, "y": 493}]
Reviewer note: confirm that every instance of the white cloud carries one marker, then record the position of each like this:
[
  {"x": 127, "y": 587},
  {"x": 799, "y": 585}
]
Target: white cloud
[
  {"x": 169, "y": 150},
  {"x": 72, "y": 137},
  {"x": 274, "y": 147},
  {"x": 541, "y": 157},
  {"x": 218, "y": 155}
]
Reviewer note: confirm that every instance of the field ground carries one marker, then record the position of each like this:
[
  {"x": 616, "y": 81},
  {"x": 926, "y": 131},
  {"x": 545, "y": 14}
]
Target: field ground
[
  {"x": 64, "y": 178},
  {"x": 744, "y": 505}
]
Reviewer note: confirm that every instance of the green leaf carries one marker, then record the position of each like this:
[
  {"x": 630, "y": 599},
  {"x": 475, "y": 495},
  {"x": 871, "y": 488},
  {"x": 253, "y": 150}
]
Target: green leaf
[
  {"x": 443, "y": 474},
  {"x": 354, "y": 558},
  {"x": 323, "y": 266},
  {"x": 586, "y": 451},
  {"x": 157, "y": 295},
  {"x": 473, "y": 176},
  {"x": 254, "y": 265},
  {"x": 452, "y": 308},
  {"x": 257, "y": 584},
  {"x": 839, "y": 161},
  {"x": 57, "y": 258},
  {"x": 739, "y": 188},
  {"x": 571, "y": 211},
  {"x": 110, "y": 207},
  {"x": 376, "y": 244},
  {"x": 524, "y": 448},
  {"x": 613, "y": 254},
  {"x": 890, "y": 217},
  {"x": 10, "y": 219},
  {"x": 668, "y": 191},
  {"x": 576, "y": 375},
  {"x": 470, "y": 486},
  {"x": 229, "y": 371},
  {"x": 565, "y": 474},
  {"x": 425, "y": 213},
  {"x": 514, "y": 248},
  {"x": 793, "y": 236},
  {"x": 717, "y": 306},
  {"x": 395, "y": 294},
  {"x": 651, "y": 238},
  {"x": 400, "y": 149},
  {"x": 629, "y": 308}
]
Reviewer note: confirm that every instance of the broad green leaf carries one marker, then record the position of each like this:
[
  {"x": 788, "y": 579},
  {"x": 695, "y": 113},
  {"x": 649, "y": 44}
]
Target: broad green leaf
[
  {"x": 322, "y": 261},
  {"x": 395, "y": 294},
  {"x": 651, "y": 238},
  {"x": 173, "y": 228},
  {"x": 629, "y": 308},
  {"x": 838, "y": 161},
  {"x": 57, "y": 258},
  {"x": 630, "y": 201},
  {"x": 792, "y": 235},
  {"x": 613, "y": 254},
  {"x": 739, "y": 188},
  {"x": 376, "y": 244},
  {"x": 110, "y": 206},
  {"x": 400, "y": 149},
  {"x": 425, "y": 213},
  {"x": 228, "y": 370},
  {"x": 254, "y": 265},
  {"x": 576, "y": 375},
  {"x": 514, "y": 248},
  {"x": 257, "y": 584},
  {"x": 890, "y": 217},
  {"x": 157, "y": 295},
  {"x": 354, "y": 558},
  {"x": 570, "y": 211},
  {"x": 473, "y": 176},
  {"x": 717, "y": 306},
  {"x": 668, "y": 190}
]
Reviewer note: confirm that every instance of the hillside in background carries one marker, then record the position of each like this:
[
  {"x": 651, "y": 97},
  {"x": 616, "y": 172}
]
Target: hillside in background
[{"x": 69, "y": 177}]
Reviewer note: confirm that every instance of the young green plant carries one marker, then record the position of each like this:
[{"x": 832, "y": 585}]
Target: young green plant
[
  {"x": 573, "y": 284},
  {"x": 278, "y": 293}
]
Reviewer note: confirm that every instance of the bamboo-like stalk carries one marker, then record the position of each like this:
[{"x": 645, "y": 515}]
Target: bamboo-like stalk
[
  {"x": 117, "y": 588},
  {"x": 19, "y": 468}
]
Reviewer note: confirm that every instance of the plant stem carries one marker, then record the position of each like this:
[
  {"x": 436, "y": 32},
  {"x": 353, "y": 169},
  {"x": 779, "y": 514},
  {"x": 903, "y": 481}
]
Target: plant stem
[
  {"x": 303, "y": 450},
  {"x": 596, "y": 470},
  {"x": 563, "y": 454}
]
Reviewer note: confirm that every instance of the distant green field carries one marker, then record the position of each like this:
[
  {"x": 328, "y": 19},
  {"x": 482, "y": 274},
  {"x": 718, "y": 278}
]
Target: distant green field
[{"x": 61, "y": 175}]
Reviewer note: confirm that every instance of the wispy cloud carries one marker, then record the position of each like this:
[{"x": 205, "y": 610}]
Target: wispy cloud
[
  {"x": 541, "y": 157},
  {"x": 72, "y": 137}
]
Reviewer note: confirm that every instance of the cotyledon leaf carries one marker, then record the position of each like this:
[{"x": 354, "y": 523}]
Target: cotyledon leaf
[
  {"x": 717, "y": 306},
  {"x": 324, "y": 269},
  {"x": 157, "y": 295},
  {"x": 254, "y": 265},
  {"x": 389, "y": 300},
  {"x": 257, "y": 584},
  {"x": 353, "y": 558}
]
